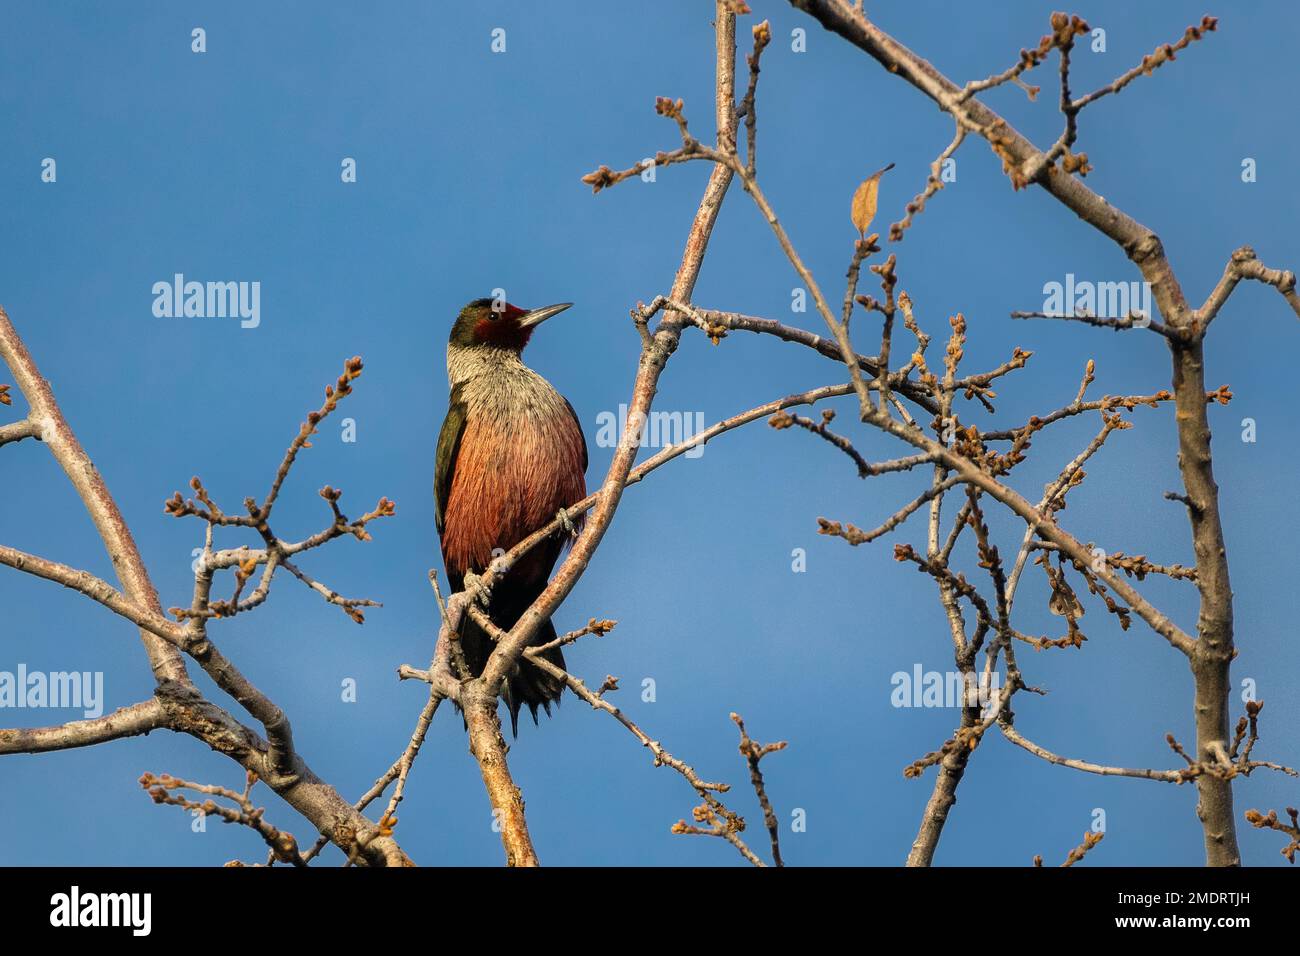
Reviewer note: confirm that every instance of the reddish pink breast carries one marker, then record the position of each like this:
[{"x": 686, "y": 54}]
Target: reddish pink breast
[{"x": 510, "y": 478}]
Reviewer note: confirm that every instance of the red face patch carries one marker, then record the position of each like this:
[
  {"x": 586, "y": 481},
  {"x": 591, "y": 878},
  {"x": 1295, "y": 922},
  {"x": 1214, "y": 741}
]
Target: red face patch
[{"x": 502, "y": 328}]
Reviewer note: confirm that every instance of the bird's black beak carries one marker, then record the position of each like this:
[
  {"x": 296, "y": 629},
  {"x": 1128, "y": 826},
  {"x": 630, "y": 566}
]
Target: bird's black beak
[{"x": 537, "y": 316}]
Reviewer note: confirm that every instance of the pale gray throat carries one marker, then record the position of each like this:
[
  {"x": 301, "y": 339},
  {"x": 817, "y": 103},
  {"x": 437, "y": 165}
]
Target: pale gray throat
[{"x": 496, "y": 381}]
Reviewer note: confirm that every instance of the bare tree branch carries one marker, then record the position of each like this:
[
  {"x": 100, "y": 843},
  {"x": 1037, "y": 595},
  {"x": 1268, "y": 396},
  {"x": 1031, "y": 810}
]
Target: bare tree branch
[
  {"x": 1212, "y": 651},
  {"x": 141, "y": 718},
  {"x": 58, "y": 437},
  {"x": 1244, "y": 265}
]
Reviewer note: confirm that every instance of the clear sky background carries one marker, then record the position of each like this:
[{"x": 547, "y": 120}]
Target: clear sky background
[{"x": 226, "y": 166}]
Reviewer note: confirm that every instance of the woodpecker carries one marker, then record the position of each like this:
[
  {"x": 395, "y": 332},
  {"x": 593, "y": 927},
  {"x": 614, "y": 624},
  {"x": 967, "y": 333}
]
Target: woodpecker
[{"x": 511, "y": 457}]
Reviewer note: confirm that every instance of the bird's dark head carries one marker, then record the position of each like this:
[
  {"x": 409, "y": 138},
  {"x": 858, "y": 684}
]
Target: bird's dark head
[{"x": 492, "y": 323}]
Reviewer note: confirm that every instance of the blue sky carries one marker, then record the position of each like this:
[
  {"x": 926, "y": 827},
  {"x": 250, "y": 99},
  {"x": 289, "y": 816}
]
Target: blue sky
[{"x": 226, "y": 166}]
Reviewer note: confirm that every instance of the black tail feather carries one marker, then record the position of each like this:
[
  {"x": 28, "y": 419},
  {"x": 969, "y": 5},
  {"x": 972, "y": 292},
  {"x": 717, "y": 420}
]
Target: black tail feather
[{"x": 528, "y": 684}]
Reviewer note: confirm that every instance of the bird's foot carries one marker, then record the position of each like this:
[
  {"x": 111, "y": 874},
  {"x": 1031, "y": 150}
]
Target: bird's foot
[
  {"x": 566, "y": 522},
  {"x": 472, "y": 581}
]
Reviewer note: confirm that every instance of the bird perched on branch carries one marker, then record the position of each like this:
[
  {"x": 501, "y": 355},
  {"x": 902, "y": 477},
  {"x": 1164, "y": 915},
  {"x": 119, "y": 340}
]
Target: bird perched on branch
[{"x": 511, "y": 456}]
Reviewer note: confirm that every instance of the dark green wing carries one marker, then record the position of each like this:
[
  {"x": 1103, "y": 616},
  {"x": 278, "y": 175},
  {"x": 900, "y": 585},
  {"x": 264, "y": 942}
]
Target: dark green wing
[
  {"x": 576, "y": 421},
  {"x": 453, "y": 427}
]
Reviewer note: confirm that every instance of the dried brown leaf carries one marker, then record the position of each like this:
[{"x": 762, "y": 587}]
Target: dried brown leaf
[{"x": 864, "y": 201}]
